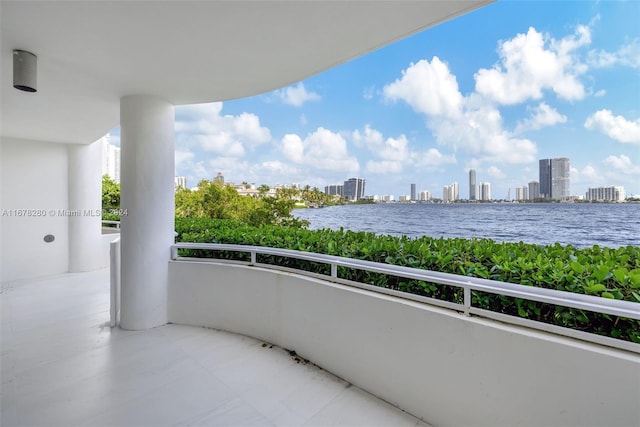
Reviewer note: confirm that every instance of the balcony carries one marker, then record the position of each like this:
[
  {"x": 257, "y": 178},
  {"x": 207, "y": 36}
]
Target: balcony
[{"x": 63, "y": 365}]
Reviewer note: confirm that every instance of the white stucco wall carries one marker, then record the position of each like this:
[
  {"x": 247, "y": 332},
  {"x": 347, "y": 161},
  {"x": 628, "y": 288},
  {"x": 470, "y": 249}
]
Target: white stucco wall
[
  {"x": 33, "y": 175},
  {"x": 441, "y": 366}
]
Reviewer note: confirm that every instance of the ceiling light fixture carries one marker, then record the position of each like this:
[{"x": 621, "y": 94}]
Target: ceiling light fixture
[{"x": 25, "y": 71}]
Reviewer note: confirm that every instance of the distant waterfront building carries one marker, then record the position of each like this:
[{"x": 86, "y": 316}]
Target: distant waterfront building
[
  {"x": 179, "y": 182},
  {"x": 413, "y": 192},
  {"x": 450, "y": 192},
  {"x": 521, "y": 193},
  {"x": 334, "y": 190},
  {"x": 219, "y": 178},
  {"x": 404, "y": 198},
  {"x": 447, "y": 194},
  {"x": 534, "y": 190},
  {"x": 472, "y": 184},
  {"x": 555, "y": 178},
  {"x": 424, "y": 196},
  {"x": 485, "y": 191},
  {"x": 354, "y": 189},
  {"x": 110, "y": 159},
  {"x": 387, "y": 198},
  {"x": 609, "y": 194}
]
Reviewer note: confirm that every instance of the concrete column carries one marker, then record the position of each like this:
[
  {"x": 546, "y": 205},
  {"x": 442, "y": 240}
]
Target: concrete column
[
  {"x": 85, "y": 201},
  {"x": 146, "y": 186}
]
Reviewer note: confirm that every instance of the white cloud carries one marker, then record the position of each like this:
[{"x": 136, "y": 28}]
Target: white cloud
[
  {"x": 622, "y": 164},
  {"x": 368, "y": 92},
  {"x": 496, "y": 173},
  {"x": 531, "y": 63},
  {"x": 464, "y": 123},
  {"x": 367, "y": 137},
  {"x": 428, "y": 87},
  {"x": 395, "y": 149},
  {"x": 480, "y": 132},
  {"x": 297, "y": 95},
  {"x": 433, "y": 157},
  {"x": 322, "y": 150},
  {"x": 541, "y": 116},
  {"x": 183, "y": 156},
  {"x": 616, "y": 127},
  {"x": 587, "y": 177},
  {"x": 292, "y": 148},
  {"x": 590, "y": 173},
  {"x": 627, "y": 55},
  {"x": 227, "y": 135},
  {"x": 394, "y": 153},
  {"x": 600, "y": 93}
]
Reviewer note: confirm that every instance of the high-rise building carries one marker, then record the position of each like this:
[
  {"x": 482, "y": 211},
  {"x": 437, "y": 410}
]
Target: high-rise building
[
  {"x": 534, "y": 190},
  {"x": 219, "y": 178},
  {"x": 424, "y": 196},
  {"x": 354, "y": 189},
  {"x": 522, "y": 193},
  {"x": 334, "y": 190},
  {"x": 485, "y": 191},
  {"x": 455, "y": 190},
  {"x": 110, "y": 159},
  {"x": 555, "y": 178},
  {"x": 601, "y": 194},
  {"x": 413, "y": 192},
  {"x": 472, "y": 184},
  {"x": 447, "y": 193}
]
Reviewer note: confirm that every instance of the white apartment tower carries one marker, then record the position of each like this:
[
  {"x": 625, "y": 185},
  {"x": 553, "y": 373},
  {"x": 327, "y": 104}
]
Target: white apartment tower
[
  {"x": 110, "y": 159},
  {"x": 610, "y": 194},
  {"x": 485, "y": 191},
  {"x": 521, "y": 193}
]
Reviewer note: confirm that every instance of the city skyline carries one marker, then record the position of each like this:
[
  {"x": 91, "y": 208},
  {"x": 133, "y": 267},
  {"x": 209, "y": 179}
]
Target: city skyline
[
  {"x": 494, "y": 90},
  {"x": 450, "y": 193}
]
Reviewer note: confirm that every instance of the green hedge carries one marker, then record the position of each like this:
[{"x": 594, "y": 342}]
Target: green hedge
[{"x": 605, "y": 272}]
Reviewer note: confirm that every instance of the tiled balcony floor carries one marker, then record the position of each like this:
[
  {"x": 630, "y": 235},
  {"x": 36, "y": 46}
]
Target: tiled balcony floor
[{"x": 63, "y": 366}]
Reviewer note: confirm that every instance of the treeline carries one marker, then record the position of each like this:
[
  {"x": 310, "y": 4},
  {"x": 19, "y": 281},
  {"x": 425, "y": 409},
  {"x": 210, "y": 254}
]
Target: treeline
[{"x": 215, "y": 200}]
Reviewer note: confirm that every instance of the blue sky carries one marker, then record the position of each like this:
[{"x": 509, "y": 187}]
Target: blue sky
[{"x": 495, "y": 90}]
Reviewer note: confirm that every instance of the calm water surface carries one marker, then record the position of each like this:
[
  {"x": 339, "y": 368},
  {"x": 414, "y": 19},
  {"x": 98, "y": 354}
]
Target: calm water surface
[{"x": 580, "y": 225}]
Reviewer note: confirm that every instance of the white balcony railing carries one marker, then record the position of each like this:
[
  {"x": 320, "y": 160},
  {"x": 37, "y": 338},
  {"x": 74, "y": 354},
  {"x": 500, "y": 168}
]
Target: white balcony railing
[
  {"x": 589, "y": 303},
  {"x": 112, "y": 224}
]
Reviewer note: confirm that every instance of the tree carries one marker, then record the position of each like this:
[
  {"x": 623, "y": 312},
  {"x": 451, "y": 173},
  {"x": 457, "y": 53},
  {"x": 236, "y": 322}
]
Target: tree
[
  {"x": 218, "y": 201},
  {"x": 110, "y": 194}
]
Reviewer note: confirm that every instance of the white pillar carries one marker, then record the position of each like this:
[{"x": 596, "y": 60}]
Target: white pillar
[
  {"x": 146, "y": 193},
  {"x": 85, "y": 200}
]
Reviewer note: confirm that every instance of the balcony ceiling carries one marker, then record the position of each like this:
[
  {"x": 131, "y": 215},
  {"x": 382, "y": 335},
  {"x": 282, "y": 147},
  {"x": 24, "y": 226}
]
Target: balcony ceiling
[{"x": 91, "y": 53}]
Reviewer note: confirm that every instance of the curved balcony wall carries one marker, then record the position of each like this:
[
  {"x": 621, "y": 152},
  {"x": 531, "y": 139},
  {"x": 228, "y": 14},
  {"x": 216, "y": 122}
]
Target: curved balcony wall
[{"x": 437, "y": 364}]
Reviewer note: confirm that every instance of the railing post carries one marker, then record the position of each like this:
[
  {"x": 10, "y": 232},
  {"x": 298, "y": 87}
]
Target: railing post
[
  {"x": 467, "y": 300},
  {"x": 174, "y": 253},
  {"x": 334, "y": 270},
  {"x": 253, "y": 257}
]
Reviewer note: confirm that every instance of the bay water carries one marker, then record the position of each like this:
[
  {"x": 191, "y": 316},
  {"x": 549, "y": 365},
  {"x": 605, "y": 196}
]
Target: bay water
[{"x": 578, "y": 224}]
